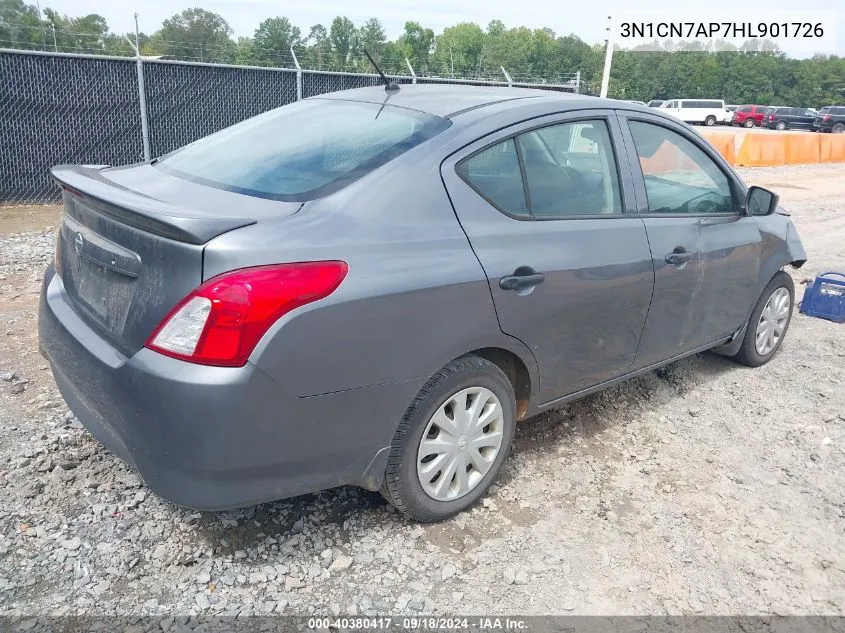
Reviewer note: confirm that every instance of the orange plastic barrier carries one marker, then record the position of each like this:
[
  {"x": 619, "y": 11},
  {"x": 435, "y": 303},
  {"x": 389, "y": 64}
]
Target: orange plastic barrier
[
  {"x": 762, "y": 150},
  {"x": 801, "y": 148},
  {"x": 667, "y": 158},
  {"x": 724, "y": 144},
  {"x": 758, "y": 149},
  {"x": 831, "y": 148}
]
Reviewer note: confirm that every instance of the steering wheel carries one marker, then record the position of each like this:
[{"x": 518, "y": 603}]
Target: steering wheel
[{"x": 707, "y": 202}]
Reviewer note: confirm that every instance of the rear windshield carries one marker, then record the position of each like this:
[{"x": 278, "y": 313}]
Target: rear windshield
[{"x": 304, "y": 150}]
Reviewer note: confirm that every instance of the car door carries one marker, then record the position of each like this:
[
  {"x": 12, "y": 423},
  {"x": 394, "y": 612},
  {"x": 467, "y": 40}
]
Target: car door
[
  {"x": 550, "y": 216},
  {"x": 706, "y": 251},
  {"x": 804, "y": 118}
]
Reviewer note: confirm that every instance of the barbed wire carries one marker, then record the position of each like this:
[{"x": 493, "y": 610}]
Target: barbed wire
[{"x": 255, "y": 54}]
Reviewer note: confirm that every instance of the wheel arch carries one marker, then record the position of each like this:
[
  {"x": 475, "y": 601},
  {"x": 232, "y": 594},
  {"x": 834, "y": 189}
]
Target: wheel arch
[{"x": 516, "y": 371}]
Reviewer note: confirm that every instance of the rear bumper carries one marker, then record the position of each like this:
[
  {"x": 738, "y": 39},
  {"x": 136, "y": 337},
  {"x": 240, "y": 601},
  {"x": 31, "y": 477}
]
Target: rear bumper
[{"x": 212, "y": 438}]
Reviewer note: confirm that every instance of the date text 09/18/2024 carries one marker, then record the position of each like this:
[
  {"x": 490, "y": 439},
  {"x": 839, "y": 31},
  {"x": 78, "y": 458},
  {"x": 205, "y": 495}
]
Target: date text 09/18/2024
[{"x": 419, "y": 623}]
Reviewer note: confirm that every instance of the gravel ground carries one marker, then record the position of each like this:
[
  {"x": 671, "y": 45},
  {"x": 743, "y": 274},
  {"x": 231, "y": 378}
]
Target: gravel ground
[{"x": 702, "y": 488}]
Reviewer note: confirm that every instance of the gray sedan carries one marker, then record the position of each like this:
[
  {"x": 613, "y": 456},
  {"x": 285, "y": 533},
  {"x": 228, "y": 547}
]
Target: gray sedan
[{"x": 372, "y": 287}]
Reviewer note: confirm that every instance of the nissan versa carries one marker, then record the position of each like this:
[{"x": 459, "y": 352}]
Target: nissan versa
[{"x": 372, "y": 287}]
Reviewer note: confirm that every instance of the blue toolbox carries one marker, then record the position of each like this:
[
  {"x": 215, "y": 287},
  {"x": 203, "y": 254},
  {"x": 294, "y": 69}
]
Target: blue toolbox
[{"x": 825, "y": 298}]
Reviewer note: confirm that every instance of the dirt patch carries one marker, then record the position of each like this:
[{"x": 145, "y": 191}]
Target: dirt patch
[{"x": 24, "y": 219}]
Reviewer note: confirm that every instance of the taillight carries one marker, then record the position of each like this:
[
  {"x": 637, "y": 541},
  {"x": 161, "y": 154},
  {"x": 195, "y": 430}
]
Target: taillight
[
  {"x": 826, "y": 117},
  {"x": 221, "y": 322}
]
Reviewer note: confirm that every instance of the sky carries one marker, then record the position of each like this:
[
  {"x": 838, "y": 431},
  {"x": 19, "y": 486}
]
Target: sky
[{"x": 244, "y": 15}]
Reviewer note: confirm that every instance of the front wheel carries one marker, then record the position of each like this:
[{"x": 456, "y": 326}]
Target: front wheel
[
  {"x": 710, "y": 121},
  {"x": 452, "y": 441},
  {"x": 749, "y": 123},
  {"x": 769, "y": 322}
]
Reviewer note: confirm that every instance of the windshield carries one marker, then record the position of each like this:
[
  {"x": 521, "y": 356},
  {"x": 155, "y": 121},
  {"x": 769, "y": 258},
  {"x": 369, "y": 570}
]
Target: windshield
[{"x": 304, "y": 150}]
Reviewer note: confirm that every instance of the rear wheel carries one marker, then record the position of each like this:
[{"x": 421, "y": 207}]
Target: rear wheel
[
  {"x": 838, "y": 128},
  {"x": 452, "y": 441},
  {"x": 769, "y": 322},
  {"x": 710, "y": 121},
  {"x": 780, "y": 125},
  {"x": 749, "y": 123}
]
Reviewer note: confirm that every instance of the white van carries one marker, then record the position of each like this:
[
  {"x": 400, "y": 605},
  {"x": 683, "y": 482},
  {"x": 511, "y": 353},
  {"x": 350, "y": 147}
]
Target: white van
[{"x": 706, "y": 111}]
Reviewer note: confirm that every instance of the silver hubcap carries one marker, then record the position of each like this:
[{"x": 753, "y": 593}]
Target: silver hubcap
[
  {"x": 460, "y": 444},
  {"x": 773, "y": 321}
]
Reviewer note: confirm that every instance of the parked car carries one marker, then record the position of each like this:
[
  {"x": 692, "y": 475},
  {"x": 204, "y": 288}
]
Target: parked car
[
  {"x": 373, "y": 287},
  {"x": 830, "y": 119},
  {"x": 790, "y": 118},
  {"x": 706, "y": 111},
  {"x": 748, "y": 115},
  {"x": 655, "y": 103}
]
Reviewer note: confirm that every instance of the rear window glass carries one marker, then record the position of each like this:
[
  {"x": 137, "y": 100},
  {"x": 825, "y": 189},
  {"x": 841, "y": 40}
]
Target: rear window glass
[
  {"x": 824, "y": 111},
  {"x": 304, "y": 150}
]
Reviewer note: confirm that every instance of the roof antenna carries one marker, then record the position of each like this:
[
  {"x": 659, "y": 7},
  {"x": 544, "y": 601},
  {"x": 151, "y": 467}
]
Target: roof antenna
[{"x": 388, "y": 85}]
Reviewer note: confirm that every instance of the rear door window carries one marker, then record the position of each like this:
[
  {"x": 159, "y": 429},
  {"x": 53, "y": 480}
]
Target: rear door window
[
  {"x": 304, "y": 150},
  {"x": 570, "y": 170},
  {"x": 553, "y": 172},
  {"x": 495, "y": 174}
]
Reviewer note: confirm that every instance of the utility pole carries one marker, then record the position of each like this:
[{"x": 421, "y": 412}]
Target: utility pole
[
  {"x": 40, "y": 19},
  {"x": 608, "y": 58},
  {"x": 137, "y": 45}
]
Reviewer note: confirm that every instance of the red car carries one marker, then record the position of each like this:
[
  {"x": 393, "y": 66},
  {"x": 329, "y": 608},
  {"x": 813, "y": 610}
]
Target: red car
[{"x": 748, "y": 115}]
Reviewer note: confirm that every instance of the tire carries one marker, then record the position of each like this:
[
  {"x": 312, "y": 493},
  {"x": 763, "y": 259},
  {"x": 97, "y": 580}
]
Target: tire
[
  {"x": 403, "y": 487},
  {"x": 780, "y": 125},
  {"x": 749, "y": 354},
  {"x": 710, "y": 121},
  {"x": 838, "y": 128},
  {"x": 749, "y": 123}
]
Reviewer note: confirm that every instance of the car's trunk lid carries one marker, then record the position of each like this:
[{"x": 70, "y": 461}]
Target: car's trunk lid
[{"x": 131, "y": 243}]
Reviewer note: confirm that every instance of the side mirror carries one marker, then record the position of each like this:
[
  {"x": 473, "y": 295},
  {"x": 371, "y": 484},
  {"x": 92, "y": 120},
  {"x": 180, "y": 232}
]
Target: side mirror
[{"x": 760, "y": 201}]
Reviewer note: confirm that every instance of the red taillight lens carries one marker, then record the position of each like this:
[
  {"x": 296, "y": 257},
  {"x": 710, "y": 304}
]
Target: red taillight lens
[
  {"x": 221, "y": 322},
  {"x": 826, "y": 117}
]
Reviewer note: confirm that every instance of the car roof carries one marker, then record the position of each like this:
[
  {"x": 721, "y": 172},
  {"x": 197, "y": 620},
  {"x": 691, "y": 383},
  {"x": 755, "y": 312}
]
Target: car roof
[{"x": 449, "y": 100}]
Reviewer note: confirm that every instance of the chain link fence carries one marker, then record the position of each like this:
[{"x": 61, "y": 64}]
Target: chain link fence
[{"x": 58, "y": 108}]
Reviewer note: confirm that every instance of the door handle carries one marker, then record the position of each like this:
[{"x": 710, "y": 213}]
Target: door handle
[
  {"x": 522, "y": 278},
  {"x": 678, "y": 257}
]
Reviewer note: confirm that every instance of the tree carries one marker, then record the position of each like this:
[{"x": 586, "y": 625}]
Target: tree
[
  {"x": 371, "y": 38},
  {"x": 20, "y": 26},
  {"x": 416, "y": 43},
  {"x": 342, "y": 36},
  {"x": 457, "y": 51},
  {"x": 75, "y": 35},
  {"x": 273, "y": 39},
  {"x": 318, "y": 54},
  {"x": 195, "y": 35}
]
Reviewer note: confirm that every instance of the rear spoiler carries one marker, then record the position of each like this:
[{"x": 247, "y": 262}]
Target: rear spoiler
[{"x": 141, "y": 211}]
